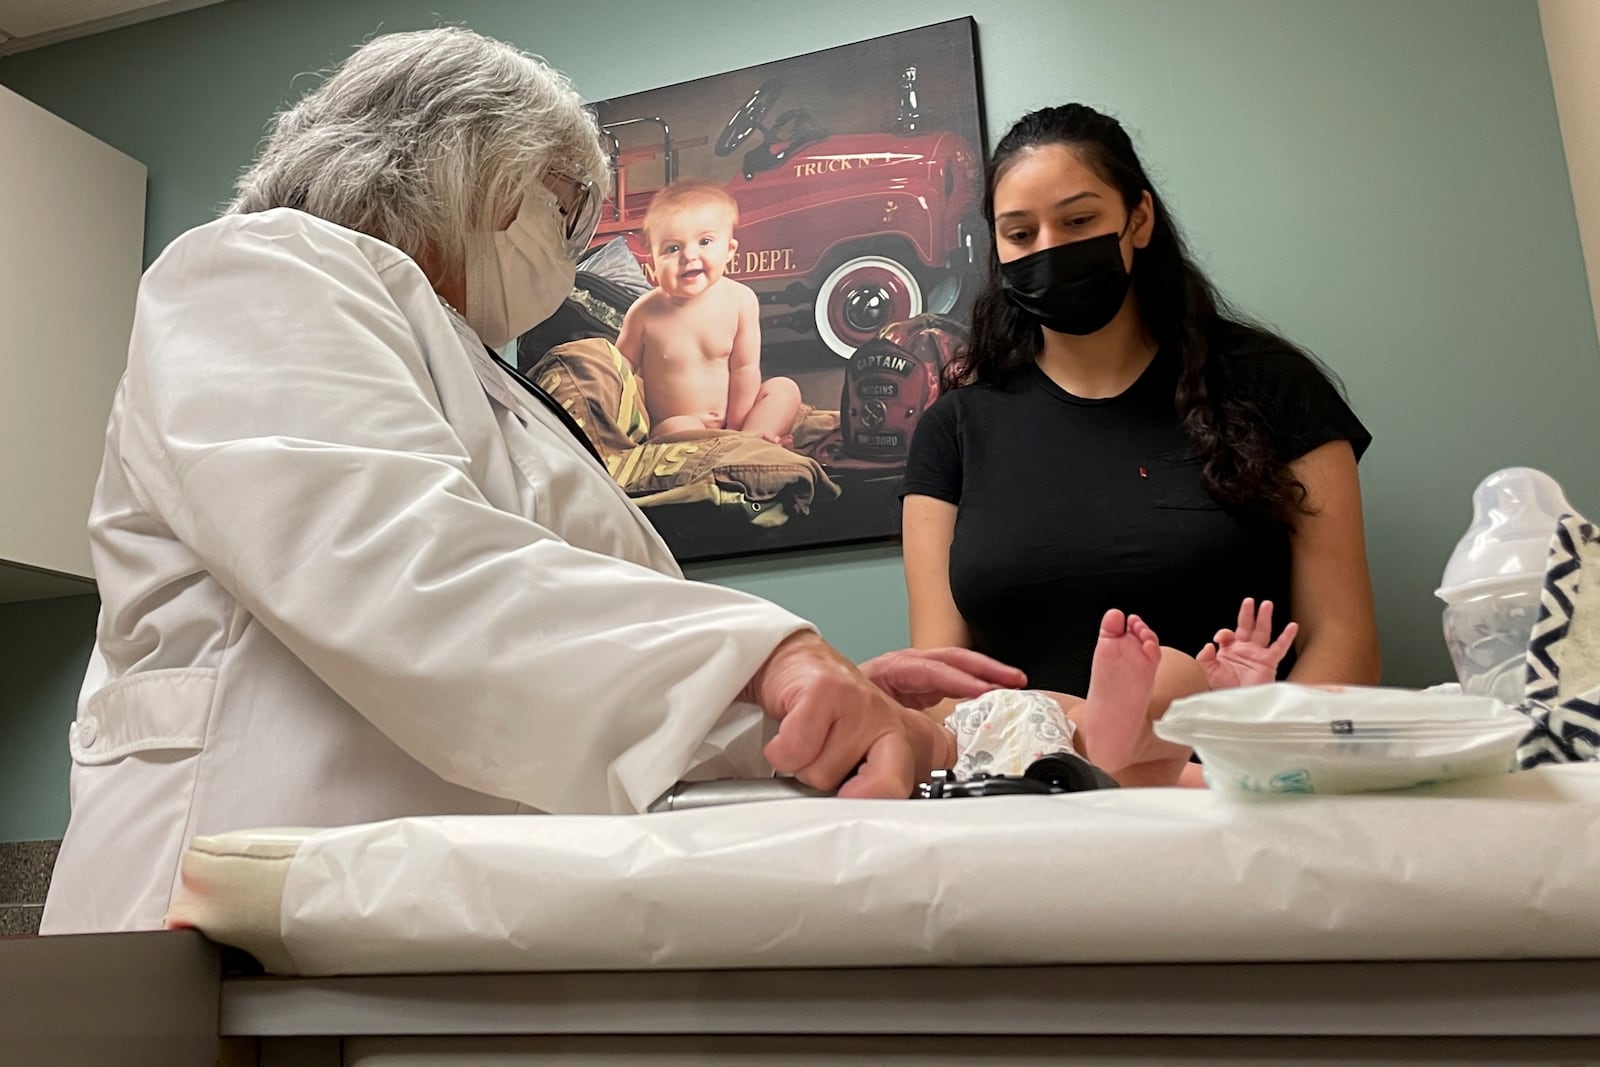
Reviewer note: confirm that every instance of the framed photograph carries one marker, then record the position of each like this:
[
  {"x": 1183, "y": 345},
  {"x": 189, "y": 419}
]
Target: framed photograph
[{"x": 781, "y": 270}]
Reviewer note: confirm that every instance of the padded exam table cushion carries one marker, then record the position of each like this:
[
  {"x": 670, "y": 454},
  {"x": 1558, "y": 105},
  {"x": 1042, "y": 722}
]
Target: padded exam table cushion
[{"x": 1499, "y": 867}]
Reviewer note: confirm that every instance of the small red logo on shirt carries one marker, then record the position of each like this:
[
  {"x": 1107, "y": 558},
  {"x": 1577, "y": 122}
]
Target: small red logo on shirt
[{"x": 1143, "y": 473}]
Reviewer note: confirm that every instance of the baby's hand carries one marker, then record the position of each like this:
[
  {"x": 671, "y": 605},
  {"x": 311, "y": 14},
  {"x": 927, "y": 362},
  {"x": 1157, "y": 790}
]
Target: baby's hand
[
  {"x": 1247, "y": 655},
  {"x": 782, "y": 440}
]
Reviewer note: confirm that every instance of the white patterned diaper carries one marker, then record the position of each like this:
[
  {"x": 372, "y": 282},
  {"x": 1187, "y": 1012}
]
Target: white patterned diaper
[{"x": 1006, "y": 730}]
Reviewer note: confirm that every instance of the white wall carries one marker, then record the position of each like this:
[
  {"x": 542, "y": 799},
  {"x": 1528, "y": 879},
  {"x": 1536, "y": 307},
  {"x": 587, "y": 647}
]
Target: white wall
[{"x": 1572, "y": 40}]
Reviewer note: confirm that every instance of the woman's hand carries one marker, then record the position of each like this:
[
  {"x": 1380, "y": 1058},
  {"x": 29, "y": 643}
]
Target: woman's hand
[
  {"x": 836, "y": 726},
  {"x": 922, "y": 677}
]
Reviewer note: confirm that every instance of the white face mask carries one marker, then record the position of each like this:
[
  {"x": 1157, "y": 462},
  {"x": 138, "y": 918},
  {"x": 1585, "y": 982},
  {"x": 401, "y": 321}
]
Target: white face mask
[{"x": 518, "y": 277}]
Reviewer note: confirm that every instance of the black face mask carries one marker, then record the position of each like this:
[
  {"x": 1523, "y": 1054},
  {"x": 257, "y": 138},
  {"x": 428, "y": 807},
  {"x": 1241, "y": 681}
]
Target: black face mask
[{"x": 1073, "y": 288}]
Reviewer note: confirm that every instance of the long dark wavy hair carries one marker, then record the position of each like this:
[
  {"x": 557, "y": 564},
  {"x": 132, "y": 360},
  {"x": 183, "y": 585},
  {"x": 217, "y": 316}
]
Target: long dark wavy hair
[{"x": 1177, "y": 305}]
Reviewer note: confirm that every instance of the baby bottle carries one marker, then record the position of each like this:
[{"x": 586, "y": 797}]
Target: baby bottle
[{"x": 1491, "y": 583}]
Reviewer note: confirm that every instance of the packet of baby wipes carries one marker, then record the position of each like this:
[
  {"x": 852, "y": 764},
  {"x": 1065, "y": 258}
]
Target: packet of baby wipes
[{"x": 1287, "y": 738}]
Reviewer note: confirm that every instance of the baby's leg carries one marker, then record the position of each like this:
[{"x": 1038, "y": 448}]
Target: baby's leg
[
  {"x": 1152, "y": 761},
  {"x": 1166, "y": 763},
  {"x": 1122, "y": 679},
  {"x": 676, "y": 424},
  {"x": 1123, "y": 698},
  {"x": 773, "y": 413}
]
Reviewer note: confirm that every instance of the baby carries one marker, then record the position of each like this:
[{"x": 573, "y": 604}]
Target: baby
[
  {"x": 695, "y": 340},
  {"x": 1132, "y": 680}
]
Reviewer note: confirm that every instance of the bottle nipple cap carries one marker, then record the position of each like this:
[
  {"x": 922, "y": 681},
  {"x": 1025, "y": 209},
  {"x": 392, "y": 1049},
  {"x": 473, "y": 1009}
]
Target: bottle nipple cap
[{"x": 1514, "y": 515}]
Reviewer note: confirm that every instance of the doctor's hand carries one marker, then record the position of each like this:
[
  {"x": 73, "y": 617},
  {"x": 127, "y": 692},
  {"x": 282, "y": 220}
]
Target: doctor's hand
[
  {"x": 832, "y": 721},
  {"x": 922, "y": 677}
]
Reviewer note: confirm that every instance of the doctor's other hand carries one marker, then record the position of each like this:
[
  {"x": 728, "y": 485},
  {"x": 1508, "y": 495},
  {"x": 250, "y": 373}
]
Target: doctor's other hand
[
  {"x": 922, "y": 677},
  {"x": 833, "y": 720}
]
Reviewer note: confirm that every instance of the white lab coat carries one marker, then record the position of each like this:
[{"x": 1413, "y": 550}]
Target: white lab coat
[{"x": 350, "y": 570}]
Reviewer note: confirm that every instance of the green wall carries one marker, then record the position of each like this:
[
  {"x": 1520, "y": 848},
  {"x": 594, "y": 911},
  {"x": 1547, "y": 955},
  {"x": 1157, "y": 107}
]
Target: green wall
[
  {"x": 44, "y": 645},
  {"x": 1383, "y": 181}
]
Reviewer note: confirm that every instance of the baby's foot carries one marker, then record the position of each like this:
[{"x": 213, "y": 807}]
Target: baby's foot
[
  {"x": 1247, "y": 655},
  {"x": 1122, "y": 676}
]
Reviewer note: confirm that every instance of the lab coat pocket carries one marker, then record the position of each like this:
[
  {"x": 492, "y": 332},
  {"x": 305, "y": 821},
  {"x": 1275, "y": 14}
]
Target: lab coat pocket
[{"x": 155, "y": 711}]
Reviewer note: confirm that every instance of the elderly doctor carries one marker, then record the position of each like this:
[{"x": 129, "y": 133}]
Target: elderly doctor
[{"x": 352, "y": 568}]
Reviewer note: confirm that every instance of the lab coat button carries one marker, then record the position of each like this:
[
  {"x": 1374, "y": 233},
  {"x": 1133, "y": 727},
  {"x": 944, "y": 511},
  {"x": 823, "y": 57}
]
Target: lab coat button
[{"x": 88, "y": 731}]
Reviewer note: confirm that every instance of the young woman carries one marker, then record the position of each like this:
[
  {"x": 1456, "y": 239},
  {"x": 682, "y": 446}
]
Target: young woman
[{"x": 1116, "y": 437}]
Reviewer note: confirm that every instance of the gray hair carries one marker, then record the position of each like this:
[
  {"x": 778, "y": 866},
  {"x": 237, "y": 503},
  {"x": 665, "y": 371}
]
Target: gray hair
[{"x": 421, "y": 138}]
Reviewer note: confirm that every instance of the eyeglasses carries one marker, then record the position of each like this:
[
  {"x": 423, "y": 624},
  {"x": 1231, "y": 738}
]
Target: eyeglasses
[{"x": 578, "y": 201}]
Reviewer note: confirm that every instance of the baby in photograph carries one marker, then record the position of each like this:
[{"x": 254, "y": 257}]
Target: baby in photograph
[{"x": 694, "y": 341}]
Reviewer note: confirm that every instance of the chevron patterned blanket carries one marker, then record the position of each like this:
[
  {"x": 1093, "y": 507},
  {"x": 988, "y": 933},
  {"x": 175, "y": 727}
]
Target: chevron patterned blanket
[{"x": 1563, "y": 684}]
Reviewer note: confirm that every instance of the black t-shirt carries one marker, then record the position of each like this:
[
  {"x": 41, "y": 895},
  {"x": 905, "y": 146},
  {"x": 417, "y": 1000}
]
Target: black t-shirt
[{"x": 1068, "y": 507}]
